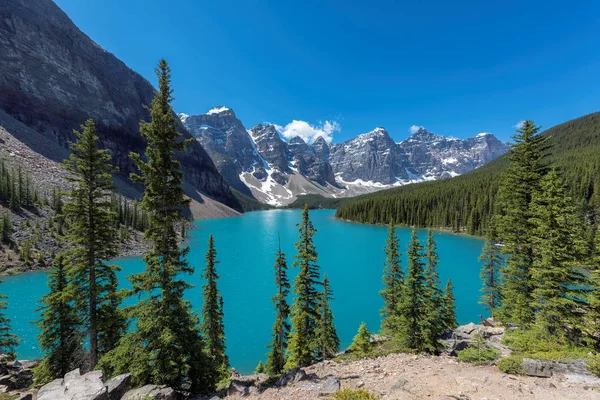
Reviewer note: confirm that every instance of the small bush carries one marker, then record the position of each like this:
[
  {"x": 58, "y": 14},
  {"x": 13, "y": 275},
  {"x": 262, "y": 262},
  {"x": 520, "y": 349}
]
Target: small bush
[
  {"x": 593, "y": 364},
  {"x": 349, "y": 394},
  {"x": 511, "y": 365},
  {"x": 534, "y": 343},
  {"x": 478, "y": 352}
]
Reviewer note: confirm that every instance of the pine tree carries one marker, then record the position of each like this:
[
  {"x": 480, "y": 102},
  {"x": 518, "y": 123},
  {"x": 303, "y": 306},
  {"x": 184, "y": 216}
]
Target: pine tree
[
  {"x": 8, "y": 340},
  {"x": 414, "y": 300},
  {"x": 281, "y": 327},
  {"x": 112, "y": 319},
  {"x": 448, "y": 307},
  {"x": 304, "y": 312},
  {"x": 519, "y": 183},
  {"x": 260, "y": 368},
  {"x": 559, "y": 289},
  {"x": 393, "y": 283},
  {"x": 328, "y": 341},
  {"x": 90, "y": 227},
  {"x": 166, "y": 346},
  {"x": 212, "y": 311},
  {"x": 60, "y": 335},
  {"x": 362, "y": 341},
  {"x": 434, "y": 324},
  {"x": 490, "y": 272},
  {"x": 593, "y": 322}
]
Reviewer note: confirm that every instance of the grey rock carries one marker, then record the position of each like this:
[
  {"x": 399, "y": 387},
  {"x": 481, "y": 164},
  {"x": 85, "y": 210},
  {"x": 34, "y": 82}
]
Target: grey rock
[
  {"x": 227, "y": 142},
  {"x": 117, "y": 386},
  {"x": 75, "y": 386},
  {"x": 294, "y": 375},
  {"x": 439, "y": 157},
  {"x": 372, "y": 156},
  {"x": 573, "y": 370},
  {"x": 237, "y": 388},
  {"x": 150, "y": 392},
  {"x": 329, "y": 385},
  {"x": 399, "y": 384}
]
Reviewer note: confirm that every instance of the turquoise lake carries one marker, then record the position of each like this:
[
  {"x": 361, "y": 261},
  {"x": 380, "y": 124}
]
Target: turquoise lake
[{"x": 351, "y": 255}]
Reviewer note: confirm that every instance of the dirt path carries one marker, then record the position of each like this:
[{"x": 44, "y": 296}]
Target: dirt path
[{"x": 405, "y": 376}]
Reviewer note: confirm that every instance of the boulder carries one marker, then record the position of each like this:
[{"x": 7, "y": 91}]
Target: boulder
[
  {"x": 237, "y": 387},
  {"x": 75, "y": 386},
  {"x": 117, "y": 386},
  {"x": 329, "y": 385},
  {"x": 150, "y": 392},
  {"x": 574, "y": 370}
]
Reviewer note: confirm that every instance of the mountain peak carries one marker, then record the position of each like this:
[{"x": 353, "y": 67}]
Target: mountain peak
[{"x": 183, "y": 117}]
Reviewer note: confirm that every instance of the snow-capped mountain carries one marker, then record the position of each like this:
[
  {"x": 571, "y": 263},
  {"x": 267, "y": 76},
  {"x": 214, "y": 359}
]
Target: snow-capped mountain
[{"x": 260, "y": 163}]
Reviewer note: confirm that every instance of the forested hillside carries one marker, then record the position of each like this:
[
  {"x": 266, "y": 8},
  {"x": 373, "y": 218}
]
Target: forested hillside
[{"x": 464, "y": 203}]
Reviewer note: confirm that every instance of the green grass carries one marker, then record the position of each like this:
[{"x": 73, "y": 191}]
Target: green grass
[{"x": 349, "y": 394}]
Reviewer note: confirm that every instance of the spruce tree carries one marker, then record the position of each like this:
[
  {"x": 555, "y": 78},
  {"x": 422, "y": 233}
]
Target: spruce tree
[
  {"x": 526, "y": 168},
  {"x": 449, "y": 307},
  {"x": 212, "y": 311},
  {"x": 90, "y": 228},
  {"x": 434, "y": 324},
  {"x": 593, "y": 321},
  {"x": 490, "y": 272},
  {"x": 112, "y": 319},
  {"x": 8, "y": 340},
  {"x": 165, "y": 346},
  {"x": 60, "y": 335},
  {"x": 362, "y": 341},
  {"x": 559, "y": 289},
  {"x": 393, "y": 283},
  {"x": 304, "y": 312},
  {"x": 281, "y": 328},
  {"x": 328, "y": 341},
  {"x": 260, "y": 368},
  {"x": 414, "y": 300}
]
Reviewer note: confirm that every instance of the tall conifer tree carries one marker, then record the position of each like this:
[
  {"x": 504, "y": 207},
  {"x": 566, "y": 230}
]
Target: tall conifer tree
[
  {"x": 449, "y": 307},
  {"x": 166, "y": 346},
  {"x": 414, "y": 299},
  {"x": 393, "y": 283},
  {"x": 434, "y": 323},
  {"x": 593, "y": 321},
  {"x": 559, "y": 289},
  {"x": 90, "y": 229},
  {"x": 281, "y": 328},
  {"x": 328, "y": 341},
  {"x": 305, "y": 310},
  {"x": 212, "y": 311},
  {"x": 8, "y": 340},
  {"x": 60, "y": 335},
  {"x": 519, "y": 184},
  {"x": 490, "y": 272}
]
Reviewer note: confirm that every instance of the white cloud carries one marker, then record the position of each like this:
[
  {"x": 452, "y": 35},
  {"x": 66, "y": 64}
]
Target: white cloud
[
  {"x": 309, "y": 133},
  {"x": 415, "y": 128},
  {"x": 519, "y": 124}
]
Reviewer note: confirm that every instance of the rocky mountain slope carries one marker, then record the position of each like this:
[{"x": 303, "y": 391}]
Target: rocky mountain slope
[
  {"x": 53, "y": 77},
  {"x": 260, "y": 163}
]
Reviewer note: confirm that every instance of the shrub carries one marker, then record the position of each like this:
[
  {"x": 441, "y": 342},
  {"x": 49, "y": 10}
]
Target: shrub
[
  {"x": 593, "y": 364},
  {"x": 479, "y": 352},
  {"x": 511, "y": 365},
  {"x": 535, "y": 343},
  {"x": 349, "y": 394}
]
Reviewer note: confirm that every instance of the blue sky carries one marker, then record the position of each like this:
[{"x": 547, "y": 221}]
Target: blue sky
[{"x": 456, "y": 68}]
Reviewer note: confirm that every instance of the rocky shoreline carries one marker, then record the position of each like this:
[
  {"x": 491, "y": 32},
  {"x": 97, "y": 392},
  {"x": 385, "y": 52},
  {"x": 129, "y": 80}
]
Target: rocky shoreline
[{"x": 393, "y": 376}]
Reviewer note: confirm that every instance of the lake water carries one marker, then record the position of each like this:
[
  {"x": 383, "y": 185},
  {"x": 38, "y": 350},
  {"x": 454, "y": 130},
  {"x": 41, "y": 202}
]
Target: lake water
[{"x": 351, "y": 255}]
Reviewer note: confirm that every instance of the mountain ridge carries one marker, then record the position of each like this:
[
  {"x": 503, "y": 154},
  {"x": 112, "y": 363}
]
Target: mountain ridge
[{"x": 261, "y": 163}]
